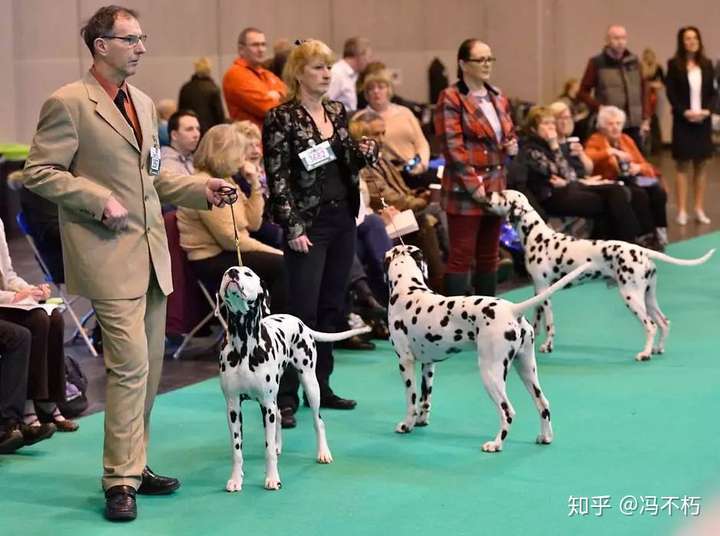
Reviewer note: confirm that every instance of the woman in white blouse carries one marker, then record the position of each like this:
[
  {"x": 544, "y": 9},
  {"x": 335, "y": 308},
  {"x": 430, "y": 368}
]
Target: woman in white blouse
[{"x": 691, "y": 92}]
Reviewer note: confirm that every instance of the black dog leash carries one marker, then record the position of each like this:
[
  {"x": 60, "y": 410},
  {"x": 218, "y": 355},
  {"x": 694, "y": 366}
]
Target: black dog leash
[{"x": 230, "y": 196}]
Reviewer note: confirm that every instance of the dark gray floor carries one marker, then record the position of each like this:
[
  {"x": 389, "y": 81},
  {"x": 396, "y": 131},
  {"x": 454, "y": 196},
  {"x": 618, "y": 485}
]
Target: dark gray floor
[{"x": 199, "y": 363}]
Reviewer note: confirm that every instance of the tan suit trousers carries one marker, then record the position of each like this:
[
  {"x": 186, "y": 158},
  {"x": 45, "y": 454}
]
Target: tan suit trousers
[{"x": 134, "y": 342}]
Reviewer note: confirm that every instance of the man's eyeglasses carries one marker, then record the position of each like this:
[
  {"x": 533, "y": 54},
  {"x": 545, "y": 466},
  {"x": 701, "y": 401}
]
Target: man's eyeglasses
[
  {"x": 489, "y": 60},
  {"x": 131, "y": 40}
]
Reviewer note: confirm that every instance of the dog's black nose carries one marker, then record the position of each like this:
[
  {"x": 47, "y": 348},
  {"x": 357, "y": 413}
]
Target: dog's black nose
[{"x": 233, "y": 274}]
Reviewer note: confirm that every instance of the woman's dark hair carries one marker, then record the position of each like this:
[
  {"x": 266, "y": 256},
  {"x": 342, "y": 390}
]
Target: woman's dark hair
[
  {"x": 102, "y": 22},
  {"x": 681, "y": 55},
  {"x": 464, "y": 54}
]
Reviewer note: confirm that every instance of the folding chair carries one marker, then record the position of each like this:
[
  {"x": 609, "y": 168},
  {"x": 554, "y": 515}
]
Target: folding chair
[
  {"x": 22, "y": 224},
  {"x": 184, "y": 316}
]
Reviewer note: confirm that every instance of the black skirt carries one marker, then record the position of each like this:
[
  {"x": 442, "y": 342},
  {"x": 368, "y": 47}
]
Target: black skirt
[{"x": 691, "y": 141}]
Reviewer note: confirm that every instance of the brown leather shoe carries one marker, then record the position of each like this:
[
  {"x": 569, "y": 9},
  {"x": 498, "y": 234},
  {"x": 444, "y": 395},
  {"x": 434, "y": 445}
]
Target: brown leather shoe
[{"x": 66, "y": 426}]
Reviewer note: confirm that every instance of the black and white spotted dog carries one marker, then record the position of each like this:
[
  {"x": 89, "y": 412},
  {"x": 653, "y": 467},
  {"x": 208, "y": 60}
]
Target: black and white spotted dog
[
  {"x": 549, "y": 255},
  {"x": 258, "y": 350},
  {"x": 428, "y": 328}
]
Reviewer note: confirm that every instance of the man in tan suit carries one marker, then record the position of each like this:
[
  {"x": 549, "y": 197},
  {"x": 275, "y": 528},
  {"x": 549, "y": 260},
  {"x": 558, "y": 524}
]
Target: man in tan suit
[{"x": 96, "y": 154}]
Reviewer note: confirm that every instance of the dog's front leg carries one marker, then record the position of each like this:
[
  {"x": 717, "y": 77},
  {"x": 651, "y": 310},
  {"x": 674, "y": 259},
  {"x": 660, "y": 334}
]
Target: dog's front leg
[
  {"x": 269, "y": 413},
  {"x": 234, "y": 416},
  {"x": 428, "y": 371},
  {"x": 407, "y": 371}
]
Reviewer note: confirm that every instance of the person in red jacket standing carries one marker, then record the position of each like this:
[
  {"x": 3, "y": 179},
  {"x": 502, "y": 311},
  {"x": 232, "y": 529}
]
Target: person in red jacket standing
[
  {"x": 251, "y": 90},
  {"x": 472, "y": 120}
]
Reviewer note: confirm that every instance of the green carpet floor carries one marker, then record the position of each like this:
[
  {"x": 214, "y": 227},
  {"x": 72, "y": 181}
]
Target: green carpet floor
[{"x": 621, "y": 428}]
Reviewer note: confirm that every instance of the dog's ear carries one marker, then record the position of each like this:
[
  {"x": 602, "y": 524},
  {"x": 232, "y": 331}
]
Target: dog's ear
[{"x": 417, "y": 256}]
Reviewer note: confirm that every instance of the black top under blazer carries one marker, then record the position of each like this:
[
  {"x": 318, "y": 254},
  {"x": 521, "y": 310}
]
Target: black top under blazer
[{"x": 690, "y": 141}]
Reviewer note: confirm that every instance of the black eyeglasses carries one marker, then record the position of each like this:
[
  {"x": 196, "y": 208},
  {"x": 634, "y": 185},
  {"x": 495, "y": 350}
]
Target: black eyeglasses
[
  {"x": 131, "y": 40},
  {"x": 485, "y": 59}
]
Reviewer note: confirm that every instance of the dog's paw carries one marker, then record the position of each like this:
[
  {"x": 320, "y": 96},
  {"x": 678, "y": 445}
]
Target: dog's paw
[
  {"x": 422, "y": 421},
  {"x": 544, "y": 439},
  {"x": 492, "y": 446},
  {"x": 233, "y": 485},
  {"x": 403, "y": 428},
  {"x": 642, "y": 356},
  {"x": 324, "y": 456},
  {"x": 546, "y": 347},
  {"x": 657, "y": 350},
  {"x": 273, "y": 484}
]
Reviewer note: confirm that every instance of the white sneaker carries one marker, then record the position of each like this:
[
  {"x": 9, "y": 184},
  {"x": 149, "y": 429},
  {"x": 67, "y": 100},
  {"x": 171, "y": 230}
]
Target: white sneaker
[
  {"x": 681, "y": 218},
  {"x": 701, "y": 217}
]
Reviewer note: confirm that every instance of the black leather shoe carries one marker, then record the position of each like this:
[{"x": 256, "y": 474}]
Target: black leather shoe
[
  {"x": 380, "y": 330},
  {"x": 335, "y": 402},
  {"x": 356, "y": 342},
  {"x": 153, "y": 484},
  {"x": 120, "y": 503},
  {"x": 287, "y": 418}
]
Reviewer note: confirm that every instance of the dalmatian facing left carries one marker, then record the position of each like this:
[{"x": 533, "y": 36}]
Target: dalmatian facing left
[
  {"x": 427, "y": 327},
  {"x": 257, "y": 351}
]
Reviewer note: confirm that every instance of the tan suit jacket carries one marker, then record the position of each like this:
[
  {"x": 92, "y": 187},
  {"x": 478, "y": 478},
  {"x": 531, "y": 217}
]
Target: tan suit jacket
[{"x": 84, "y": 151}]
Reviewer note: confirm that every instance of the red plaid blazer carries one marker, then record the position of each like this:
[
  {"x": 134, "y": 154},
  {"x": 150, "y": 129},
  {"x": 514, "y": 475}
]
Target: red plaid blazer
[{"x": 473, "y": 156}]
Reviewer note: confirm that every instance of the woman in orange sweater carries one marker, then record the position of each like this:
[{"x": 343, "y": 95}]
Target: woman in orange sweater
[{"x": 616, "y": 157}]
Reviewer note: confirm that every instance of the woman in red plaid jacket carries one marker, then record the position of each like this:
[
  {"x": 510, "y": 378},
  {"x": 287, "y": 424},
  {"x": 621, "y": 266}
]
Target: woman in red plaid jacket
[{"x": 472, "y": 120}]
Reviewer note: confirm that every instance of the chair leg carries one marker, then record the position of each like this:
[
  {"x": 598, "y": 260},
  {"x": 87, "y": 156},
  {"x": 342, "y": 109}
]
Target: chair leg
[
  {"x": 77, "y": 323},
  {"x": 193, "y": 331}
]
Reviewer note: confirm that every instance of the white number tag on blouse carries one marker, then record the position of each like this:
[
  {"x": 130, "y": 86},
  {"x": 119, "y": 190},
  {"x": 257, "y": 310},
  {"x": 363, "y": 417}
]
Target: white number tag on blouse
[{"x": 317, "y": 156}]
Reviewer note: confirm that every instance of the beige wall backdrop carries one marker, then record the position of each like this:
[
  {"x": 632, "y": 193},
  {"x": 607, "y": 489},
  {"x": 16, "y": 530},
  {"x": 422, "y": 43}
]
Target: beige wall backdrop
[{"x": 539, "y": 43}]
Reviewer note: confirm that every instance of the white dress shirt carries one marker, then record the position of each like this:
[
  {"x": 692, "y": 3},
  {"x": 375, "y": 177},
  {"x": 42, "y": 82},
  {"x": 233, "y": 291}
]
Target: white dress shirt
[{"x": 342, "y": 85}]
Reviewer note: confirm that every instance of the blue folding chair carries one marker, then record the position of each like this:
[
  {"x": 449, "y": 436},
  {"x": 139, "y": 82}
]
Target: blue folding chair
[{"x": 23, "y": 225}]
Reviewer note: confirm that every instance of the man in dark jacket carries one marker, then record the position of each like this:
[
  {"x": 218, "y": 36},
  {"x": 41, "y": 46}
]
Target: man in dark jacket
[{"x": 613, "y": 78}]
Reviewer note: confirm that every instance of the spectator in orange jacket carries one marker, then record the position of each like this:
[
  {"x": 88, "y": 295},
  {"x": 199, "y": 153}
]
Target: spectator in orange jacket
[{"x": 251, "y": 90}]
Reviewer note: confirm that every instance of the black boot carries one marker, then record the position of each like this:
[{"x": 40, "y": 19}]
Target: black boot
[
  {"x": 485, "y": 284},
  {"x": 456, "y": 284}
]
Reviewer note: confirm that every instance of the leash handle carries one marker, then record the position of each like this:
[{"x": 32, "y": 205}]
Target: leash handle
[{"x": 230, "y": 197}]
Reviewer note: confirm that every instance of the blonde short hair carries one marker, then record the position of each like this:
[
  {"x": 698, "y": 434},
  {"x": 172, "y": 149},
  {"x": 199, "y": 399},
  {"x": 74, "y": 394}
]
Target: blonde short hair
[
  {"x": 360, "y": 124},
  {"x": 247, "y": 129},
  {"x": 203, "y": 67},
  {"x": 298, "y": 58},
  {"x": 219, "y": 151},
  {"x": 382, "y": 76},
  {"x": 558, "y": 107}
]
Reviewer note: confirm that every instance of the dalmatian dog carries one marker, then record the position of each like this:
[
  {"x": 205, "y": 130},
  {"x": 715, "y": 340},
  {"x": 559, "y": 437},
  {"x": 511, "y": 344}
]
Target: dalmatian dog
[
  {"x": 549, "y": 255},
  {"x": 257, "y": 351},
  {"x": 426, "y": 327}
]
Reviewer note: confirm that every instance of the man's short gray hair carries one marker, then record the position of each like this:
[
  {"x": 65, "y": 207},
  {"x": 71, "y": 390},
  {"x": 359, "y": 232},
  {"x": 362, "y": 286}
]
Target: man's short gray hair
[{"x": 608, "y": 113}]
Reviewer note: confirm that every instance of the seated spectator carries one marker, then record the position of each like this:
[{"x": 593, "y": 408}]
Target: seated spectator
[
  {"x": 387, "y": 187},
  {"x": 578, "y": 109},
  {"x": 269, "y": 232},
  {"x": 404, "y": 143},
  {"x": 616, "y": 157},
  {"x": 202, "y": 95},
  {"x": 46, "y": 372},
  {"x": 208, "y": 236},
  {"x": 165, "y": 108},
  {"x": 562, "y": 189},
  {"x": 177, "y": 157}
]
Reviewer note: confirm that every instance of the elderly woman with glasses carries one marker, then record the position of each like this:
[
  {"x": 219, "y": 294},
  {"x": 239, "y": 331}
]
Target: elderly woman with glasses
[
  {"x": 616, "y": 158},
  {"x": 557, "y": 175},
  {"x": 473, "y": 123}
]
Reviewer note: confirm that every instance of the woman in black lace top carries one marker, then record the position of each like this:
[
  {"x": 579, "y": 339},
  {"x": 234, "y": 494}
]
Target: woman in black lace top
[{"x": 312, "y": 168}]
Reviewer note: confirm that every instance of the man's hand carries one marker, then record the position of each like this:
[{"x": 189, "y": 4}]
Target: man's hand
[
  {"x": 622, "y": 155},
  {"x": 115, "y": 216},
  {"x": 645, "y": 126},
  {"x": 635, "y": 169},
  {"x": 212, "y": 191},
  {"x": 557, "y": 182},
  {"x": 301, "y": 244}
]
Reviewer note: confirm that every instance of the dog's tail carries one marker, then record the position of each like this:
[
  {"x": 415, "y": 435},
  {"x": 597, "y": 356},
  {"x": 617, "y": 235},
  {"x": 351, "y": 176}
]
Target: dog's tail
[
  {"x": 321, "y": 336},
  {"x": 656, "y": 255},
  {"x": 520, "y": 308}
]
